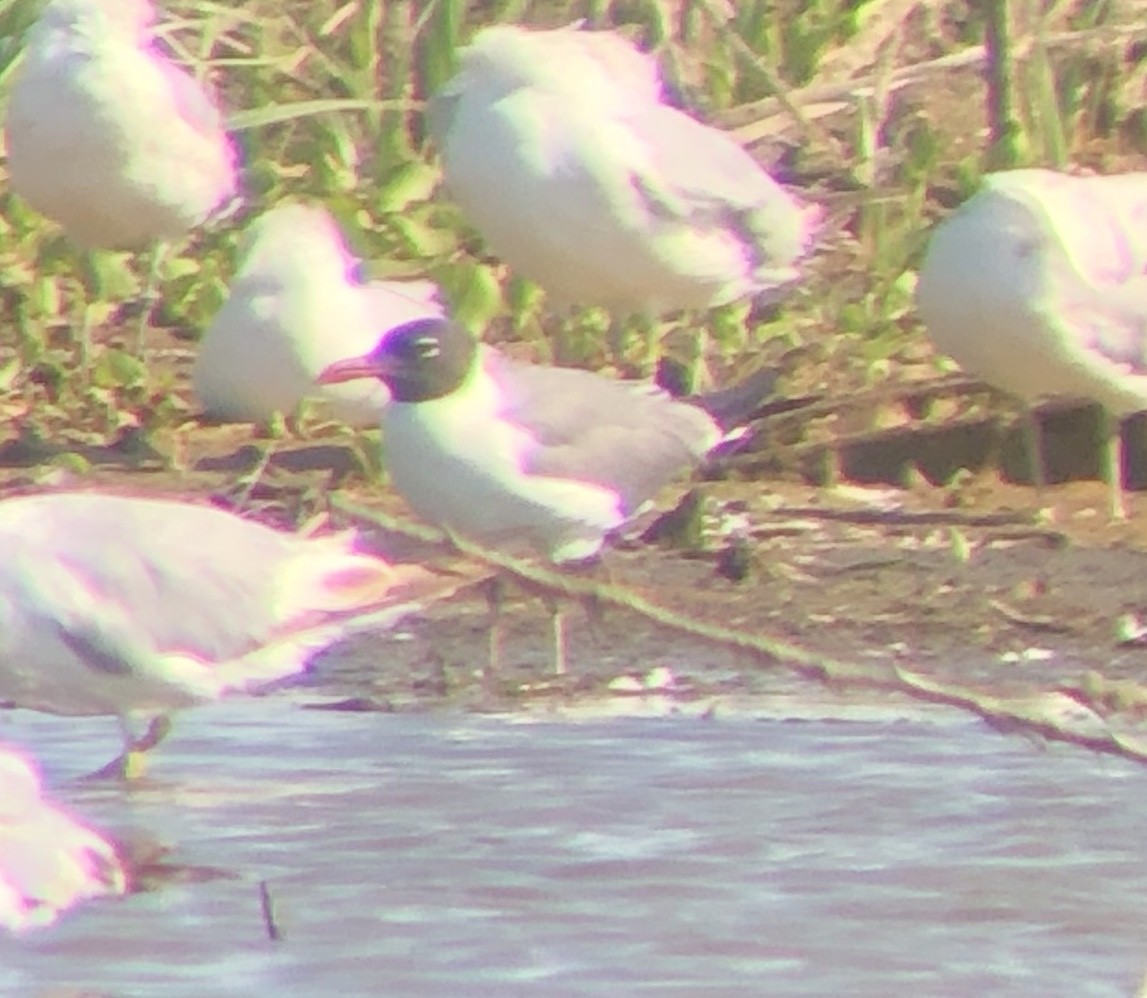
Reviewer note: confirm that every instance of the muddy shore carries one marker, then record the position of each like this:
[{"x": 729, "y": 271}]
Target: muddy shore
[{"x": 863, "y": 546}]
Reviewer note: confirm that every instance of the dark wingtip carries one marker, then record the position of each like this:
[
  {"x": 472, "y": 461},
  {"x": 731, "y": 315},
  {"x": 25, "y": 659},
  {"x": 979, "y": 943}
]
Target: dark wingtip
[{"x": 738, "y": 404}]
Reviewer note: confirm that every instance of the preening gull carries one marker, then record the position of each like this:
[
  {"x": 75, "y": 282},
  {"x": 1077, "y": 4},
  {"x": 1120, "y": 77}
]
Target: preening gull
[
  {"x": 136, "y": 607},
  {"x": 1038, "y": 285},
  {"x": 295, "y": 306},
  {"x": 559, "y": 149},
  {"x": 108, "y": 137}
]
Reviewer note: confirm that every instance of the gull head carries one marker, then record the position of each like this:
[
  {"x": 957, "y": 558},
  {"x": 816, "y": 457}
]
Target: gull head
[
  {"x": 417, "y": 361},
  {"x": 1026, "y": 209},
  {"x": 294, "y": 242},
  {"x": 1014, "y": 218}
]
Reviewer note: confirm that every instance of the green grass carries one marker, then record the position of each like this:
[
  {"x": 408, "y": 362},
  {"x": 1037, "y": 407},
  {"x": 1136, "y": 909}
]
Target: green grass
[{"x": 325, "y": 97}]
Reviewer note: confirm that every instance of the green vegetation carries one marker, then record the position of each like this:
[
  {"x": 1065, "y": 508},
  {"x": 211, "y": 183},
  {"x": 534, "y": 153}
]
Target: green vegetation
[{"x": 877, "y": 108}]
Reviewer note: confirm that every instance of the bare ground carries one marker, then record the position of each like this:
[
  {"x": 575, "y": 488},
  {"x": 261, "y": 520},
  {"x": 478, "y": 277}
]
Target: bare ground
[{"x": 867, "y": 546}]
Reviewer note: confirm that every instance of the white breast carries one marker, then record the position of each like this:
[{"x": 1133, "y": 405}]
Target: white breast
[
  {"x": 458, "y": 466},
  {"x": 1031, "y": 286}
]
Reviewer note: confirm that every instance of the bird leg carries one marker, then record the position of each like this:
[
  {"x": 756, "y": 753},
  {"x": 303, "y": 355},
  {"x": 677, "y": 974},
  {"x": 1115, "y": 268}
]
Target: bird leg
[
  {"x": 134, "y": 761},
  {"x": 593, "y": 568},
  {"x": 88, "y": 291},
  {"x": 85, "y": 344},
  {"x": 1033, "y": 441},
  {"x": 495, "y": 590},
  {"x": 701, "y": 377},
  {"x": 618, "y": 338},
  {"x": 1113, "y": 463},
  {"x": 156, "y": 256},
  {"x": 131, "y": 763},
  {"x": 558, "y": 626},
  {"x": 249, "y": 480}
]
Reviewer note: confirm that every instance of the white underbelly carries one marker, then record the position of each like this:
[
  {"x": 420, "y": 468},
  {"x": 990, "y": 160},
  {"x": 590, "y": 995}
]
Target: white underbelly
[{"x": 463, "y": 472}]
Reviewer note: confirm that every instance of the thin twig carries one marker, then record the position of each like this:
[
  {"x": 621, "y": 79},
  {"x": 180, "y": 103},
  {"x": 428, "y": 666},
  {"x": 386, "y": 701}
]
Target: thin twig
[
  {"x": 776, "y": 84},
  {"x": 1040, "y": 622},
  {"x": 268, "y": 908},
  {"x": 751, "y": 122},
  {"x": 1004, "y": 132}
]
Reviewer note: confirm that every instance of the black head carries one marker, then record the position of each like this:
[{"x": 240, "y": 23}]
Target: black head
[{"x": 421, "y": 360}]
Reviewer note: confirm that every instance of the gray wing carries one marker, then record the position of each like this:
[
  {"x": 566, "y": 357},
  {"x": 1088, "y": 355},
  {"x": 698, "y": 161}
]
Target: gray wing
[
  {"x": 627, "y": 436},
  {"x": 192, "y": 101},
  {"x": 1107, "y": 328},
  {"x": 152, "y": 576},
  {"x": 703, "y": 176}
]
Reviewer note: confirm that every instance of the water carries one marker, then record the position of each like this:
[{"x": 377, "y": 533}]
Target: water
[{"x": 462, "y": 855}]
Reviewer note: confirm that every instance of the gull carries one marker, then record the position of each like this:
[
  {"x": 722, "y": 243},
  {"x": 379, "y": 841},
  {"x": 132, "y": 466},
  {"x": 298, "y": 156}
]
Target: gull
[
  {"x": 135, "y": 607},
  {"x": 557, "y": 146},
  {"x": 498, "y": 451},
  {"x": 295, "y": 306},
  {"x": 1038, "y": 285},
  {"x": 49, "y": 861},
  {"x": 109, "y": 138}
]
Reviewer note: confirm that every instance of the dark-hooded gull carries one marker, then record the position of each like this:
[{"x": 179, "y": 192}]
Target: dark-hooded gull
[
  {"x": 1038, "y": 285},
  {"x": 296, "y": 305},
  {"x": 500, "y": 451},
  {"x": 108, "y": 137},
  {"x": 136, "y": 607},
  {"x": 558, "y": 147},
  {"x": 49, "y": 860}
]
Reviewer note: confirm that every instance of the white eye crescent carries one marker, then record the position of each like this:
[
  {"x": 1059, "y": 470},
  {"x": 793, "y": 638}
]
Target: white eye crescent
[{"x": 428, "y": 346}]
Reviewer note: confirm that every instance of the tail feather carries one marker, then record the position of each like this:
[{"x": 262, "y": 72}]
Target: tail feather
[
  {"x": 327, "y": 575},
  {"x": 358, "y": 583},
  {"x": 323, "y": 591},
  {"x": 354, "y": 593},
  {"x": 734, "y": 406},
  {"x": 290, "y": 653}
]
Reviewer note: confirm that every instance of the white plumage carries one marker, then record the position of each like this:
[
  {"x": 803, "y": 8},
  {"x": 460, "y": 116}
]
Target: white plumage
[
  {"x": 135, "y": 607},
  {"x": 457, "y": 462},
  {"x": 557, "y": 146},
  {"x": 1038, "y": 285},
  {"x": 49, "y": 861},
  {"x": 107, "y": 136},
  {"x": 501, "y": 452},
  {"x": 295, "y": 306}
]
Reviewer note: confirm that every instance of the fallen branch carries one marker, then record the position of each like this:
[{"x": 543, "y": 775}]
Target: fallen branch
[
  {"x": 1041, "y": 714},
  {"x": 1040, "y": 622}
]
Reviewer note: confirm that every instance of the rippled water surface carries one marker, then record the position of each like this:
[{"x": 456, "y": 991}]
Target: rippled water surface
[{"x": 449, "y": 855}]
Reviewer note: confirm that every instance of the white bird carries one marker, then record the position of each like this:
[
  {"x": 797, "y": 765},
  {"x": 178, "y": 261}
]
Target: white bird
[
  {"x": 607, "y": 66},
  {"x": 558, "y": 148},
  {"x": 136, "y": 607},
  {"x": 1038, "y": 285},
  {"x": 500, "y": 451},
  {"x": 108, "y": 137},
  {"x": 296, "y": 306},
  {"x": 49, "y": 861}
]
